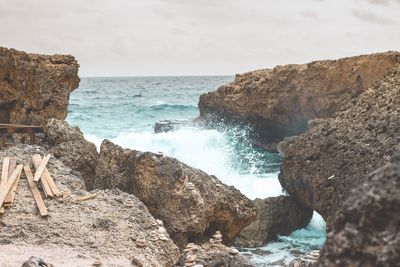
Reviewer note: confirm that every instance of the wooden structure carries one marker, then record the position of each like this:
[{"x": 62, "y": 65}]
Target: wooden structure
[{"x": 7, "y": 129}]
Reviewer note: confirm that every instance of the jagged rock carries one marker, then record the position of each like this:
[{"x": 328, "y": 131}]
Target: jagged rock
[
  {"x": 36, "y": 262},
  {"x": 69, "y": 145},
  {"x": 279, "y": 102},
  {"x": 34, "y": 88},
  {"x": 366, "y": 229},
  {"x": 322, "y": 166},
  {"x": 189, "y": 214},
  {"x": 170, "y": 125},
  {"x": 212, "y": 255},
  {"x": 275, "y": 216},
  {"x": 102, "y": 226}
]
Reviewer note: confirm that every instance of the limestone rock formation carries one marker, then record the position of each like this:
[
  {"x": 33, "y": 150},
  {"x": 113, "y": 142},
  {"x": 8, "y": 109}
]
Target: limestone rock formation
[
  {"x": 366, "y": 230},
  {"x": 322, "y": 166},
  {"x": 192, "y": 204},
  {"x": 275, "y": 216},
  {"x": 34, "y": 88},
  {"x": 69, "y": 145},
  {"x": 279, "y": 102},
  {"x": 105, "y": 227}
]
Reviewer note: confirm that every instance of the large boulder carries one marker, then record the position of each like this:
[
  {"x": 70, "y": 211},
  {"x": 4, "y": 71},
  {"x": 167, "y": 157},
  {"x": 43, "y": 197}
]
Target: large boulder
[
  {"x": 321, "y": 167},
  {"x": 279, "y": 102},
  {"x": 366, "y": 230},
  {"x": 192, "y": 204},
  {"x": 69, "y": 145},
  {"x": 34, "y": 88},
  {"x": 111, "y": 226},
  {"x": 275, "y": 216}
]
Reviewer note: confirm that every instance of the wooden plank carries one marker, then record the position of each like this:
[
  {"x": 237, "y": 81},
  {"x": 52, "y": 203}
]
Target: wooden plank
[
  {"x": 5, "y": 189},
  {"x": 10, "y": 197},
  {"x": 35, "y": 192},
  {"x": 40, "y": 168},
  {"x": 45, "y": 185},
  {"x": 4, "y": 177},
  {"x": 51, "y": 183},
  {"x": 87, "y": 197}
]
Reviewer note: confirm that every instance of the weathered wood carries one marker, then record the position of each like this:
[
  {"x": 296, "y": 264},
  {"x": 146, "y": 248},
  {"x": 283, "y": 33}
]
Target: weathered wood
[
  {"x": 4, "y": 177},
  {"x": 35, "y": 192},
  {"x": 40, "y": 168},
  {"x": 87, "y": 197},
  {"x": 45, "y": 185},
  {"x": 5, "y": 189},
  {"x": 17, "y": 128},
  {"x": 11, "y": 195},
  {"x": 50, "y": 180}
]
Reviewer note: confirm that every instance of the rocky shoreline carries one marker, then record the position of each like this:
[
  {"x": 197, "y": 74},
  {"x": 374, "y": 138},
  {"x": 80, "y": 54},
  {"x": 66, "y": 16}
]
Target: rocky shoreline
[{"x": 342, "y": 118}]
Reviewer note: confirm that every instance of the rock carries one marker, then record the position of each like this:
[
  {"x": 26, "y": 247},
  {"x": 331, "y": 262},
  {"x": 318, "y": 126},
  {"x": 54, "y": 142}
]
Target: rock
[
  {"x": 309, "y": 260},
  {"x": 212, "y": 255},
  {"x": 69, "y": 145},
  {"x": 36, "y": 262},
  {"x": 283, "y": 145},
  {"x": 98, "y": 226},
  {"x": 279, "y": 102},
  {"x": 321, "y": 167},
  {"x": 170, "y": 125},
  {"x": 190, "y": 214},
  {"x": 365, "y": 231},
  {"x": 275, "y": 216},
  {"x": 34, "y": 88}
]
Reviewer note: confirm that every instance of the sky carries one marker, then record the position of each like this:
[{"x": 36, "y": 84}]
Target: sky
[{"x": 198, "y": 37}]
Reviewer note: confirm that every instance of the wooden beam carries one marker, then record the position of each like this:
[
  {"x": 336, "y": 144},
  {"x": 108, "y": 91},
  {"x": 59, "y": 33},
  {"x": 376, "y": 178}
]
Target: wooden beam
[
  {"x": 5, "y": 189},
  {"x": 87, "y": 197},
  {"x": 35, "y": 192},
  {"x": 45, "y": 185},
  {"x": 40, "y": 168},
  {"x": 10, "y": 197},
  {"x": 4, "y": 177}
]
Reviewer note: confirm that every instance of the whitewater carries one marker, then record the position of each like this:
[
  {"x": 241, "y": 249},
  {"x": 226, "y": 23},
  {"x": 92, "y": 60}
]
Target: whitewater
[{"x": 125, "y": 109}]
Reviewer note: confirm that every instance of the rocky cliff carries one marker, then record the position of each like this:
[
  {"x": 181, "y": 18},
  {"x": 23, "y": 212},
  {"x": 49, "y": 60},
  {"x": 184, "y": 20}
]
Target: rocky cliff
[
  {"x": 321, "y": 167},
  {"x": 279, "y": 102},
  {"x": 366, "y": 230},
  {"x": 192, "y": 204},
  {"x": 34, "y": 88}
]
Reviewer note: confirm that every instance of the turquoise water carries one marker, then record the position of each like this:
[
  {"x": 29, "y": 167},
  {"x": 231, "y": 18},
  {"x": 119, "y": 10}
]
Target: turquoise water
[{"x": 125, "y": 110}]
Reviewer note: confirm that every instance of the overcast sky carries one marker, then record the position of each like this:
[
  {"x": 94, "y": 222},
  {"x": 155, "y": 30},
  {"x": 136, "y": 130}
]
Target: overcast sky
[{"x": 198, "y": 37}]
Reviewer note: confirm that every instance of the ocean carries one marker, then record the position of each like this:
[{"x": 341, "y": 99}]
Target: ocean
[{"x": 125, "y": 109}]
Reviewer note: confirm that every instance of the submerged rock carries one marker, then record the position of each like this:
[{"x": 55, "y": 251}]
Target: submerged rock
[
  {"x": 279, "y": 102},
  {"x": 366, "y": 229},
  {"x": 275, "y": 216},
  {"x": 192, "y": 204},
  {"x": 322, "y": 167},
  {"x": 69, "y": 145},
  {"x": 33, "y": 87}
]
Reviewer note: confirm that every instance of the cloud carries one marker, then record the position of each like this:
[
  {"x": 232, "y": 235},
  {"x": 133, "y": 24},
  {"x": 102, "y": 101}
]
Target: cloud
[{"x": 371, "y": 17}]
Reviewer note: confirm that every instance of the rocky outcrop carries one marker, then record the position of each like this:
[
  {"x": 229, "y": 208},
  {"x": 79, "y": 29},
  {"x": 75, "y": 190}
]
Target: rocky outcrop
[
  {"x": 275, "y": 216},
  {"x": 366, "y": 230},
  {"x": 192, "y": 204},
  {"x": 113, "y": 224},
  {"x": 279, "y": 102},
  {"x": 322, "y": 166},
  {"x": 69, "y": 145},
  {"x": 34, "y": 88}
]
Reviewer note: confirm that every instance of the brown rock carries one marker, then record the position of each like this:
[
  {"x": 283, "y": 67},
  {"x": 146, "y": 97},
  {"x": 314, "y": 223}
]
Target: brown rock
[
  {"x": 322, "y": 166},
  {"x": 275, "y": 216},
  {"x": 365, "y": 231},
  {"x": 279, "y": 102},
  {"x": 192, "y": 204},
  {"x": 68, "y": 144},
  {"x": 34, "y": 88}
]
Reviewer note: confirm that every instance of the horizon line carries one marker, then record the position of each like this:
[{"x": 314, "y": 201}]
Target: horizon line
[{"x": 154, "y": 76}]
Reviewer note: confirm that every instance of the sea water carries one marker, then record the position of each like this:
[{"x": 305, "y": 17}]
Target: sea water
[{"x": 125, "y": 109}]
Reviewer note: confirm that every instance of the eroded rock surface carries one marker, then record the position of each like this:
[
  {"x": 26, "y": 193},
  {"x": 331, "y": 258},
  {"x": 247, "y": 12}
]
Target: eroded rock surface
[
  {"x": 113, "y": 224},
  {"x": 275, "y": 216},
  {"x": 69, "y": 145},
  {"x": 34, "y": 88},
  {"x": 322, "y": 166},
  {"x": 366, "y": 230},
  {"x": 192, "y": 204},
  {"x": 279, "y": 102}
]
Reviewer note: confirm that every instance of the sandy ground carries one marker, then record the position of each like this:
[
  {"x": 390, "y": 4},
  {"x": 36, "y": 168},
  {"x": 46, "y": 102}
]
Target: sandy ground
[{"x": 14, "y": 256}]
